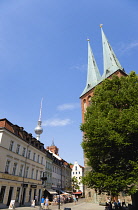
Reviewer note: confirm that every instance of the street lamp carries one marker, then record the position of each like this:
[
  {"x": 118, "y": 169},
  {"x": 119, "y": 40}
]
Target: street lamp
[
  {"x": 24, "y": 185},
  {"x": 44, "y": 178},
  {"x": 58, "y": 196}
]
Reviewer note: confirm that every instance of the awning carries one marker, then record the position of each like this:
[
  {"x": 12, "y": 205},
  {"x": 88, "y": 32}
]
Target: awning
[
  {"x": 52, "y": 191},
  {"x": 77, "y": 193}
]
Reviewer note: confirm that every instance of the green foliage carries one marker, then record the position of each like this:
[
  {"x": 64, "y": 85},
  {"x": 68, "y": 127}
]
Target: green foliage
[
  {"x": 111, "y": 136},
  {"x": 75, "y": 185}
]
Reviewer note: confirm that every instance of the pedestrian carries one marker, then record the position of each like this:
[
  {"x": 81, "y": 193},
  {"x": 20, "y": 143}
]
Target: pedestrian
[
  {"x": 119, "y": 204},
  {"x": 77, "y": 198},
  {"x": 115, "y": 205},
  {"x": 33, "y": 203},
  {"x": 42, "y": 202},
  {"x": 46, "y": 203}
]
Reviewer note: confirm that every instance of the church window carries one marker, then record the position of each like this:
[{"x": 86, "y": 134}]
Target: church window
[
  {"x": 84, "y": 105},
  {"x": 89, "y": 100}
]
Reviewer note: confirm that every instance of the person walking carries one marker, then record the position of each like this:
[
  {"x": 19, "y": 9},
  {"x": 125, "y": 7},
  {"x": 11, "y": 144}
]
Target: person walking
[
  {"x": 75, "y": 200},
  {"x": 46, "y": 203},
  {"x": 42, "y": 202}
]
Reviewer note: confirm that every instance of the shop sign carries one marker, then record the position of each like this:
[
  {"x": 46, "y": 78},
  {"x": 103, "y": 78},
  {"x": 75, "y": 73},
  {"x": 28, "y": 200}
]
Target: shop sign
[{"x": 33, "y": 186}]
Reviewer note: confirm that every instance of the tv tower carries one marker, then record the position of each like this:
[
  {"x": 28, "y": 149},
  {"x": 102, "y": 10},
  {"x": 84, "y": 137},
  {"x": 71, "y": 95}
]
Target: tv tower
[{"x": 39, "y": 130}]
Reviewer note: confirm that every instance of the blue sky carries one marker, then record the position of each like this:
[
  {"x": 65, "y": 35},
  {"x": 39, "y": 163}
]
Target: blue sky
[{"x": 43, "y": 53}]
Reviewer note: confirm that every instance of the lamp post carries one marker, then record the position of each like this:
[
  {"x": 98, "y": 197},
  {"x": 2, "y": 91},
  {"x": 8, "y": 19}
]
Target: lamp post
[
  {"x": 24, "y": 185},
  {"x": 58, "y": 196},
  {"x": 44, "y": 178}
]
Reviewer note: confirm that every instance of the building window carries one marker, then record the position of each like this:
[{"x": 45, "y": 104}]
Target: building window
[
  {"x": 76, "y": 172},
  {"x": 7, "y": 166},
  {"x": 73, "y": 172},
  {"x": 26, "y": 172},
  {"x": 89, "y": 100},
  {"x": 76, "y": 168},
  {"x": 84, "y": 105},
  {"x": 89, "y": 194},
  {"x": 29, "y": 153},
  {"x": 41, "y": 174},
  {"x": 11, "y": 145},
  {"x": 34, "y": 157},
  {"x": 36, "y": 174},
  {"x": 21, "y": 170},
  {"x": 18, "y": 149},
  {"x": 79, "y": 172},
  {"x": 14, "y": 169},
  {"x": 38, "y": 159},
  {"x": 42, "y": 160},
  {"x": 24, "y": 150},
  {"x": 2, "y": 193},
  {"x": 17, "y": 194},
  {"x": 32, "y": 175}
]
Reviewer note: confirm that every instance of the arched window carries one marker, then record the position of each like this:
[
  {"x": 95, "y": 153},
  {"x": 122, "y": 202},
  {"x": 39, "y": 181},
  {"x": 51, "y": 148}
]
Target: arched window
[
  {"x": 89, "y": 100},
  {"x": 84, "y": 105}
]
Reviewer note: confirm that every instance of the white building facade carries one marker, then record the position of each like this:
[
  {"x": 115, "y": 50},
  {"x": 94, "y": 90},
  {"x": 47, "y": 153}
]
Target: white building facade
[{"x": 78, "y": 172}]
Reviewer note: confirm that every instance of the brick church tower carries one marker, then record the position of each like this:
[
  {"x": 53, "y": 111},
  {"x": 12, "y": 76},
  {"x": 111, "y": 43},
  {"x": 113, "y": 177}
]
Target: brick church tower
[
  {"x": 94, "y": 78},
  {"x": 53, "y": 148}
]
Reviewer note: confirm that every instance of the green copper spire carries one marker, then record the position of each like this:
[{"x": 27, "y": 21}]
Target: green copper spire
[
  {"x": 111, "y": 63},
  {"x": 93, "y": 74}
]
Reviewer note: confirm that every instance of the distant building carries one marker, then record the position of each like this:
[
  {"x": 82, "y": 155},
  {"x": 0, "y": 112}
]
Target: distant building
[
  {"x": 78, "y": 172},
  {"x": 61, "y": 172}
]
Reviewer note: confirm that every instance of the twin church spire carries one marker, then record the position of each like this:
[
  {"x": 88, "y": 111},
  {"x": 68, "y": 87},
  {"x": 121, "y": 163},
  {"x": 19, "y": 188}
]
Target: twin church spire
[{"x": 111, "y": 64}]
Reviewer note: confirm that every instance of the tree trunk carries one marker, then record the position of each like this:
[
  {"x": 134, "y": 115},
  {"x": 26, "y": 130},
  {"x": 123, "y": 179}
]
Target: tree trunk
[{"x": 135, "y": 201}]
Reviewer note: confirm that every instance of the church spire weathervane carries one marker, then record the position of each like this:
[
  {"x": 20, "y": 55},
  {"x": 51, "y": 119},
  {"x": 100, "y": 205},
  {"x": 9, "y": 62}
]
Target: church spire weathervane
[{"x": 39, "y": 130}]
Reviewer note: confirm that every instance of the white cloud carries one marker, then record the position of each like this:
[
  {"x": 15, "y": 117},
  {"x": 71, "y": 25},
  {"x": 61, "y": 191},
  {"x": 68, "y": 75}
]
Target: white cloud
[
  {"x": 57, "y": 122},
  {"x": 82, "y": 67},
  {"x": 128, "y": 47},
  {"x": 69, "y": 106}
]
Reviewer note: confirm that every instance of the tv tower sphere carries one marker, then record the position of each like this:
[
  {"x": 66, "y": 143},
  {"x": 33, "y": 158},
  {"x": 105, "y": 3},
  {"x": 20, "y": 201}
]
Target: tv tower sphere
[{"x": 38, "y": 129}]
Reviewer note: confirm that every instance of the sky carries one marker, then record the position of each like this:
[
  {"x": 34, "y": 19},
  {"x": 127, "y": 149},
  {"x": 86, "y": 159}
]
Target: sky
[{"x": 43, "y": 54}]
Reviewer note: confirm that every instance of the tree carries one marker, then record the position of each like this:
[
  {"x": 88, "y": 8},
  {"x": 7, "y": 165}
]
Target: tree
[
  {"x": 75, "y": 185},
  {"x": 111, "y": 136}
]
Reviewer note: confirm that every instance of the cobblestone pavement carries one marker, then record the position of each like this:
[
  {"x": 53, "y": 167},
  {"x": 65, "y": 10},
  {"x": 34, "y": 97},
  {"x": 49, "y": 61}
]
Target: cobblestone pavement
[{"x": 81, "y": 205}]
